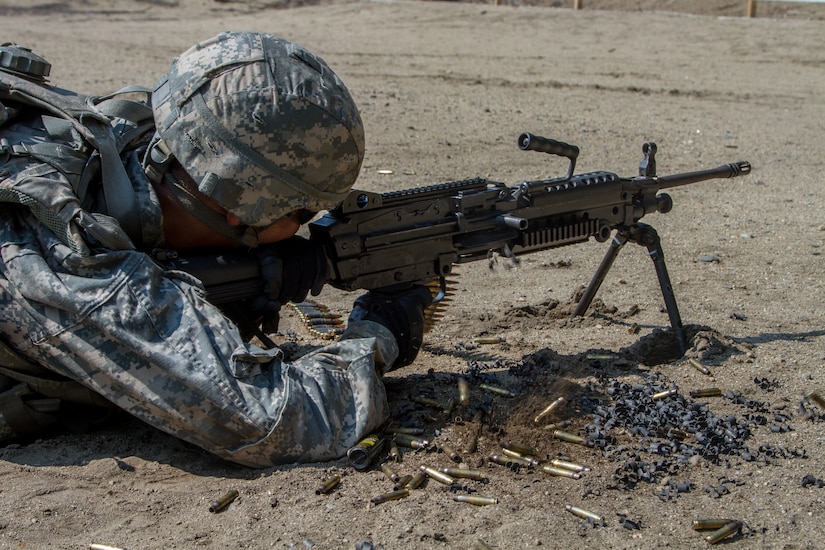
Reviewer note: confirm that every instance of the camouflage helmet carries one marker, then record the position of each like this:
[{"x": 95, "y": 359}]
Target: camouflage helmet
[{"x": 262, "y": 125}]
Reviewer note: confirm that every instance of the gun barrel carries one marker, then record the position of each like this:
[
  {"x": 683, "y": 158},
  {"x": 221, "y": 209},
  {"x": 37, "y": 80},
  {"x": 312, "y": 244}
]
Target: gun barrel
[{"x": 731, "y": 170}]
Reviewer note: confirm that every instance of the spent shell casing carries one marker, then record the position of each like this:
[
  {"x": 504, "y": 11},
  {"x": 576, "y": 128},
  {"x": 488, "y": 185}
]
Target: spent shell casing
[
  {"x": 403, "y": 482},
  {"x": 476, "y": 500},
  {"x": 362, "y": 455},
  {"x": 488, "y": 340},
  {"x": 497, "y": 390},
  {"x": 561, "y": 472},
  {"x": 463, "y": 391},
  {"x": 705, "y": 392},
  {"x": 416, "y": 481},
  {"x": 389, "y": 472},
  {"x": 601, "y": 356},
  {"x": 699, "y": 366},
  {"x": 664, "y": 394},
  {"x": 481, "y": 545},
  {"x": 502, "y": 460},
  {"x": 392, "y": 495},
  {"x": 711, "y": 523},
  {"x": 518, "y": 457},
  {"x": 724, "y": 532},
  {"x": 224, "y": 501},
  {"x": 565, "y": 465},
  {"x": 94, "y": 546},
  {"x": 584, "y": 514},
  {"x": 409, "y": 430},
  {"x": 464, "y": 473},
  {"x": 328, "y": 485},
  {"x": 816, "y": 398},
  {"x": 429, "y": 402},
  {"x": 411, "y": 442},
  {"x": 570, "y": 438},
  {"x": 472, "y": 444},
  {"x": 549, "y": 409},
  {"x": 449, "y": 451},
  {"x": 394, "y": 453},
  {"x": 524, "y": 450},
  {"x": 633, "y": 328},
  {"x": 440, "y": 477}
]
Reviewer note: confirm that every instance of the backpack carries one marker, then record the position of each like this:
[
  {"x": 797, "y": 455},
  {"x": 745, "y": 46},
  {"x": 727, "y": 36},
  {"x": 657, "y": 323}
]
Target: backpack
[{"x": 46, "y": 128}]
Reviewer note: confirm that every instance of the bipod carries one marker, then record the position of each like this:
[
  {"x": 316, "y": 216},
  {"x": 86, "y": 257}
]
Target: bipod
[{"x": 645, "y": 235}]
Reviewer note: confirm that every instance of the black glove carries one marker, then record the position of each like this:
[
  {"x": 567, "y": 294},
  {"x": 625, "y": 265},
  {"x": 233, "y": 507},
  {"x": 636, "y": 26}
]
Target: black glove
[
  {"x": 290, "y": 269},
  {"x": 401, "y": 310}
]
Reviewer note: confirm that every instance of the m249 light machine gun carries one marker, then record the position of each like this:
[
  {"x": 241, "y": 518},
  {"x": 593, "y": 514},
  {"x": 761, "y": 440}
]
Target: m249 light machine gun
[{"x": 415, "y": 235}]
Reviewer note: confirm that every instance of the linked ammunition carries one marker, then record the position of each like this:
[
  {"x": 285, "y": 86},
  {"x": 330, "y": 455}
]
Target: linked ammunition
[
  {"x": 438, "y": 476},
  {"x": 520, "y": 449},
  {"x": 699, "y": 366},
  {"x": 463, "y": 391},
  {"x": 570, "y": 438},
  {"x": 497, "y": 390},
  {"x": 328, "y": 485},
  {"x": 464, "y": 474},
  {"x": 389, "y": 472},
  {"x": 584, "y": 514},
  {"x": 664, "y": 394},
  {"x": 713, "y": 523},
  {"x": 476, "y": 500},
  {"x": 724, "y": 532},
  {"x": 449, "y": 451},
  {"x": 488, "y": 340},
  {"x": 560, "y": 472},
  {"x": 224, "y": 501},
  {"x": 403, "y": 482},
  {"x": 416, "y": 480},
  {"x": 518, "y": 457},
  {"x": 816, "y": 398},
  {"x": 549, "y": 409},
  {"x": 565, "y": 465},
  {"x": 363, "y": 454},
  {"x": 706, "y": 392},
  {"x": 392, "y": 495}
]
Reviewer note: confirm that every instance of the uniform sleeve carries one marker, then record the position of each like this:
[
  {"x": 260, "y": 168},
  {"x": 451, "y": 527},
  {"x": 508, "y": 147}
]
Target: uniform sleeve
[{"x": 151, "y": 344}]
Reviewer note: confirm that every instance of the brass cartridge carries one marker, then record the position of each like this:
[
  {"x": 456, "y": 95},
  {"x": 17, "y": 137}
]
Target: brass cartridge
[
  {"x": 328, "y": 485},
  {"x": 518, "y": 457},
  {"x": 476, "y": 500},
  {"x": 389, "y": 472},
  {"x": 712, "y": 523},
  {"x": 503, "y": 460},
  {"x": 584, "y": 514},
  {"x": 664, "y": 394},
  {"x": 488, "y": 340},
  {"x": 440, "y": 477},
  {"x": 570, "y": 438},
  {"x": 549, "y": 409},
  {"x": 224, "y": 501},
  {"x": 403, "y": 482},
  {"x": 699, "y": 366},
  {"x": 561, "y": 472},
  {"x": 464, "y": 474},
  {"x": 565, "y": 465},
  {"x": 724, "y": 532},
  {"x": 472, "y": 444},
  {"x": 463, "y": 391},
  {"x": 497, "y": 390},
  {"x": 524, "y": 450},
  {"x": 816, "y": 398},
  {"x": 392, "y": 495},
  {"x": 416, "y": 480},
  {"x": 449, "y": 451},
  {"x": 705, "y": 392},
  {"x": 394, "y": 453}
]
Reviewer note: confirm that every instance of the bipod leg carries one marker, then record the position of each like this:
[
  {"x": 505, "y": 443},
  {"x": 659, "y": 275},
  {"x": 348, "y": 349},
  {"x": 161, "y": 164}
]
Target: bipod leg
[
  {"x": 618, "y": 241},
  {"x": 650, "y": 238}
]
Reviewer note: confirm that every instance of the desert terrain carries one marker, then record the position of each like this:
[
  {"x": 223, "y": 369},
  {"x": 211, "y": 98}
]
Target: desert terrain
[{"x": 444, "y": 90}]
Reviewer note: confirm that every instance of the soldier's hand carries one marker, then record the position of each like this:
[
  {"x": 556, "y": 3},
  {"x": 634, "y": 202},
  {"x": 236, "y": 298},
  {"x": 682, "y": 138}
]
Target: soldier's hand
[
  {"x": 291, "y": 269},
  {"x": 401, "y": 310}
]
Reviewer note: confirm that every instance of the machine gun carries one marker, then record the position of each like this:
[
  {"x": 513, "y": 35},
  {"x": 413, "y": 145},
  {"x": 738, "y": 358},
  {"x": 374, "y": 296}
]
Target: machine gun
[{"x": 376, "y": 240}]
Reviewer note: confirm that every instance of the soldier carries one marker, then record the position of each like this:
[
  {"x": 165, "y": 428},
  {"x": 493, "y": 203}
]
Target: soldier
[{"x": 243, "y": 140}]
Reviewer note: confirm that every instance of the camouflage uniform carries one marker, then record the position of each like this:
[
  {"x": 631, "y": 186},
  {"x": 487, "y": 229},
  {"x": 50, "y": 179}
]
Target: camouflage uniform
[{"x": 113, "y": 320}]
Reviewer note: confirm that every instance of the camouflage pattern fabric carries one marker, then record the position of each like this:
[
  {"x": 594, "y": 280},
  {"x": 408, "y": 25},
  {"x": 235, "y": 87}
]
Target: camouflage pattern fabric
[
  {"x": 148, "y": 341},
  {"x": 237, "y": 109}
]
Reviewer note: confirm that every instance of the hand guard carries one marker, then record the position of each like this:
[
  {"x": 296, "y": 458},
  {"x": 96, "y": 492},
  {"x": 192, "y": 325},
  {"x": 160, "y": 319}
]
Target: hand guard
[{"x": 401, "y": 310}]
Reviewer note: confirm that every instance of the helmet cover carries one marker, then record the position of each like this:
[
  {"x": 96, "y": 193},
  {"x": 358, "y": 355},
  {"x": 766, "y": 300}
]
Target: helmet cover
[{"x": 262, "y": 125}]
